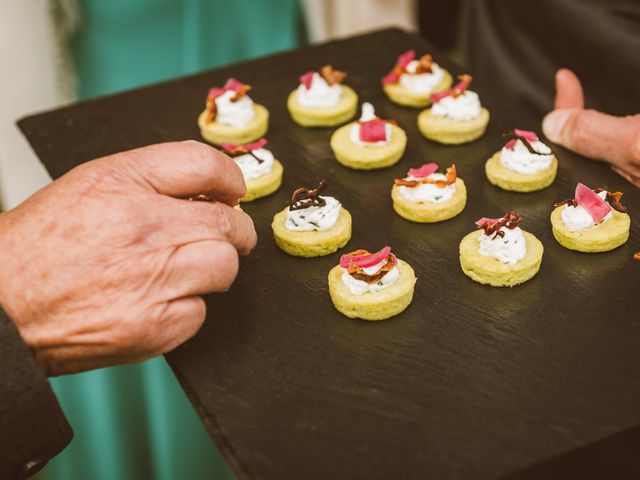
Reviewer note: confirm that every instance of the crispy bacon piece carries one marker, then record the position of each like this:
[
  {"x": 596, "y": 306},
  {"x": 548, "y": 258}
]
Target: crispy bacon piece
[
  {"x": 425, "y": 64},
  {"x": 403, "y": 60},
  {"x": 614, "y": 200},
  {"x": 332, "y": 76},
  {"x": 492, "y": 226},
  {"x": 451, "y": 175},
  {"x": 305, "y": 198},
  {"x": 457, "y": 90},
  {"x": 355, "y": 263},
  {"x": 231, "y": 84}
]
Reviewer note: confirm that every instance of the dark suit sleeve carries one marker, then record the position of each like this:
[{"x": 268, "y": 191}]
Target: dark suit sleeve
[{"x": 33, "y": 428}]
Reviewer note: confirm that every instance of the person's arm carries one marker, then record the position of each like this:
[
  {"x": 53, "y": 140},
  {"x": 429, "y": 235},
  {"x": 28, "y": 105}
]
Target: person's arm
[
  {"x": 591, "y": 133},
  {"x": 106, "y": 266},
  {"x": 33, "y": 428}
]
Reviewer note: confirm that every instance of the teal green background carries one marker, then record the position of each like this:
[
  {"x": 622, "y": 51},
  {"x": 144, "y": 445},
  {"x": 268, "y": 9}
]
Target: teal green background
[{"x": 134, "y": 421}]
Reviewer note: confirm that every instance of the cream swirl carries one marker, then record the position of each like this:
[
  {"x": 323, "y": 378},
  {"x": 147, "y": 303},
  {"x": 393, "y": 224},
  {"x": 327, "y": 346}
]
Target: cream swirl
[
  {"x": 253, "y": 167},
  {"x": 577, "y": 218},
  {"x": 320, "y": 94},
  {"x": 521, "y": 160},
  {"x": 358, "y": 287},
  {"x": 509, "y": 249},
  {"x": 421, "y": 83},
  {"x": 368, "y": 114},
  {"x": 314, "y": 217},
  {"x": 463, "y": 107},
  {"x": 236, "y": 114},
  {"x": 428, "y": 192}
]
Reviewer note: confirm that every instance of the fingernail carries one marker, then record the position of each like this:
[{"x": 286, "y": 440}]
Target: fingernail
[{"x": 553, "y": 124}]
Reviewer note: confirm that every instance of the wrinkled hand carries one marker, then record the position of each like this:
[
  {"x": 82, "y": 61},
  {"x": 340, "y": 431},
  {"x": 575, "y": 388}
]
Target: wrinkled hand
[
  {"x": 106, "y": 265},
  {"x": 593, "y": 134}
]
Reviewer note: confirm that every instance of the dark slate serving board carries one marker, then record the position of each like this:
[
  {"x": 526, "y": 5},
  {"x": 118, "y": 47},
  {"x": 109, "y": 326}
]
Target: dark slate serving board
[{"x": 470, "y": 381}]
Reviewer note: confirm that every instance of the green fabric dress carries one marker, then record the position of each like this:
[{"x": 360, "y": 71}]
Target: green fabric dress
[{"x": 134, "y": 421}]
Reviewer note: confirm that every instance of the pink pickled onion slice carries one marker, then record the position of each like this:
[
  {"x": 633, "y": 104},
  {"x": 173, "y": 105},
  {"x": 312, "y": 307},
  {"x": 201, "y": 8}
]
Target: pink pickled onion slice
[
  {"x": 249, "y": 147},
  {"x": 364, "y": 261},
  {"x": 231, "y": 84},
  {"x": 256, "y": 145},
  {"x": 591, "y": 202},
  {"x": 424, "y": 171},
  {"x": 392, "y": 77},
  {"x": 486, "y": 221},
  {"x": 529, "y": 135},
  {"x": 215, "y": 92},
  {"x": 403, "y": 60},
  {"x": 462, "y": 85},
  {"x": 373, "y": 131},
  {"x": 307, "y": 79},
  {"x": 511, "y": 143}
]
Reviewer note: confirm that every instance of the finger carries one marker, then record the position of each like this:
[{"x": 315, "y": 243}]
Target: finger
[
  {"x": 199, "y": 221},
  {"x": 595, "y": 135},
  {"x": 569, "y": 92},
  {"x": 634, "y": 179},
  {"x": 201, "y": 267},
  {"x": 183, "y": 169},
  {"x": 180, "y": 320}
]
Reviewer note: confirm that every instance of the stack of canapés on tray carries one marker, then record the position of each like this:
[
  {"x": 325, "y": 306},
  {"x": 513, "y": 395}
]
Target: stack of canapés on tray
[{"x": 378, "y": 285}]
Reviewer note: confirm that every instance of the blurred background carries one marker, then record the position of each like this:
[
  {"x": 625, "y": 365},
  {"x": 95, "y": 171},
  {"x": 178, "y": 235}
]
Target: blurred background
[{"x": 134, "y": 422}]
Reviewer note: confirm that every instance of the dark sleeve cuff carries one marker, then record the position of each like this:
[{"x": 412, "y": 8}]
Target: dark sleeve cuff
[{"x": 33, "y": 428}]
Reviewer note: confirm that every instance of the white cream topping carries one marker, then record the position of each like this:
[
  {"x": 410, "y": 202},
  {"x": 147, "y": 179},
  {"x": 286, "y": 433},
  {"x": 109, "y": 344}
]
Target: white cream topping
[
  {"x": 521, "y": 160},
  {"x": 237, "y": 114},
  {"x": 509, "y": 249},
  {"x": 463, "y": 107},
  {"x": 321, "y": 94},
  {"x": 428, "y": 192},
  {"x": 368, "y": 114},
  {"x": 358, "y": 287},
  {"x": 577, "y": 218},
  {"x": 314, "y": 218},
  {"x": 421, "y": 83},
  {"x": 251, "y": 167}
]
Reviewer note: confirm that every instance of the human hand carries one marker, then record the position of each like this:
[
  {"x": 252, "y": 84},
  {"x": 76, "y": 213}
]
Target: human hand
[
  {"x": 590, "y": 133},
  {"x": 106, "y": 265}
]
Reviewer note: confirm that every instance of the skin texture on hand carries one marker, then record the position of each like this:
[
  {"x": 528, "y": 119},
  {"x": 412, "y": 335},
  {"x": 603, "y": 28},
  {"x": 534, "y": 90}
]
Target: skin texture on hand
[
  {"x": 106, "y": 265},
  {"x": 593, "y": 134}
]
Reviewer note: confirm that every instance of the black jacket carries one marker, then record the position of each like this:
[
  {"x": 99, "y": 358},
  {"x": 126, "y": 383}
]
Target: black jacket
[{"x": 33, "y": 428}]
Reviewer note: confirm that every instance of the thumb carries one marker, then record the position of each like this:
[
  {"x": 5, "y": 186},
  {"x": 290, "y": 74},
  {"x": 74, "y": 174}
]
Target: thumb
[
  {"x": 569, "y": 92},
  {"x": 594, "y": 134}
]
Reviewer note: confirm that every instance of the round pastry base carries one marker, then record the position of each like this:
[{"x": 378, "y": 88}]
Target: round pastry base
[
  {"x": 324, "y": 116},
  {"x": 506, "y": 179},
  {"x": 380, "y": 305},
  {"x": 367, "y": 157},
  {"x": 452, "y": 132},
  {"x": 602, "y": 237},
  {"x": 491, "y": 271},
  {"x": 428, "y": 212},
  {"x": 218, "y": 133},
  {"x": 312, "y": 244},
  {"x": 265, "y": 184},
  {"x": 400, "y": 95}
]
